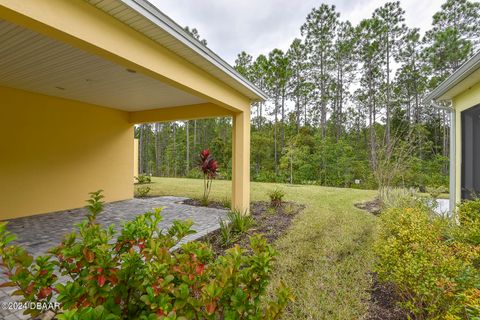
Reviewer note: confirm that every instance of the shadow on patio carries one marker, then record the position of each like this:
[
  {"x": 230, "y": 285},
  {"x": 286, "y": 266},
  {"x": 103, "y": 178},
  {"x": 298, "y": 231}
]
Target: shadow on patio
[{"x": 39, "y": 233}]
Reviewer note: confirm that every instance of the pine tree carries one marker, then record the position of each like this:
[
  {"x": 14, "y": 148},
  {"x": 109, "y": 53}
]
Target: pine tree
[
  {"x": 319, "y": 31},
  {"x": 453, "y": 38},
  {"x": 391, "y": 29},
  {"x": 345, "y": 66},
  {"x": 297, "y": 87},
  {"x": 277, "y": 78}
]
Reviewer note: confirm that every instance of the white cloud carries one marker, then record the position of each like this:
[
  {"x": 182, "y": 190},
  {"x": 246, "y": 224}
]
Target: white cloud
[{"x": 258, "y": 26}]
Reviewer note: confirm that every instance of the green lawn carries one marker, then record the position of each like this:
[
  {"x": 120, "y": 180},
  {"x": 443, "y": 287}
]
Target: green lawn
[{"x": 325, "y": 257}]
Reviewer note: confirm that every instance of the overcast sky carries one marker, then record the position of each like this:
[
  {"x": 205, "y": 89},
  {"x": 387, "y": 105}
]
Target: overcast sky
[{"x": 258, "y": 26}]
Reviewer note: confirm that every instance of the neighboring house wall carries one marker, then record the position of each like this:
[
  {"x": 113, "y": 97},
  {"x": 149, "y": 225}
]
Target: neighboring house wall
[
  {"x": 465, "y": 100},
  {"x": 54, "y": 151}
]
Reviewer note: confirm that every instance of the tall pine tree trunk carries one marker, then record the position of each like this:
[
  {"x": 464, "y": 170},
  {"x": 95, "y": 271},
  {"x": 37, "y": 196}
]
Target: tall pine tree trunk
[
  {"x": 140, "y": 153},
  {"x": 275, "y": 137},
  {"x": 157, "y": 150},
  {"x": 298, "y": 110},
  {"x": 194, "y": 136},
  {"x": 283, "y": 120},
  {"x": 187, "y": 148},
  {"x": 304, "y": 110},
  {"x": 323, "y": 105},
  {"x": 174, "y": 149},
  {"x": 146, "y": 153},
  {"x": 388, "y": 96}
]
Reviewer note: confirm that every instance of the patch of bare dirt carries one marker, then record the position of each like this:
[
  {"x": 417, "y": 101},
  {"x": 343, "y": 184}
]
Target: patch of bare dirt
[
  {"x": 374, "y": 206},
  {"x": 383, "y": 302},
  {"x": 271, "y": 222}
]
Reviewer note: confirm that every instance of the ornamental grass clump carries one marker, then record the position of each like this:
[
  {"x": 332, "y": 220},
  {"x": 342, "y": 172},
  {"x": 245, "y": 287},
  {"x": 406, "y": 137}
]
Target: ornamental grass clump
[
  {"x": 209, "y": 167},
  {"x": 138, "y": 273}
]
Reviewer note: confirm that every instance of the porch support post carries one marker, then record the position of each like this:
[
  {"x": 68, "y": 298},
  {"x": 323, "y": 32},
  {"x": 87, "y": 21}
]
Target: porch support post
[
  {"x": 241, "y": 161},
  {"x": 453, "y": 164}
]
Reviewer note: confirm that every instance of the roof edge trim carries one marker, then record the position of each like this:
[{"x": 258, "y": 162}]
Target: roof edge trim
[
  {"x": 152, "y": 13},
  {"x": 455, "y": 78}
]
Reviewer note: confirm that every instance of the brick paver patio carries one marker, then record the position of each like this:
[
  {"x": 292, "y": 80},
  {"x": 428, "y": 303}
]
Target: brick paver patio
[{"x": 41, "y": 232}]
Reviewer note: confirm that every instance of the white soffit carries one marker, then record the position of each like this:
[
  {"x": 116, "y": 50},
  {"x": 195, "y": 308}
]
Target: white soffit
[
  {"x": 145, "y": 18},
  {"x": 33, "y": 62},
  {"x": 462, "y": 79},
  {"x": 463, "y": 85}
]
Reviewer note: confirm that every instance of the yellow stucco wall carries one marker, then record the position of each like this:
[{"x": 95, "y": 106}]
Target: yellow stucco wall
[
  {"x": 465, "y": 100},
  {"x": 46, "y": 173},
  {"x": 54, "y": 151}
]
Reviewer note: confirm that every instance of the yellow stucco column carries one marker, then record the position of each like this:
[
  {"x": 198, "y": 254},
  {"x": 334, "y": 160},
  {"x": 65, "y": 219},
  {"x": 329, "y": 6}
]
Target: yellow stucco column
[{"x": 241, "y": 162}]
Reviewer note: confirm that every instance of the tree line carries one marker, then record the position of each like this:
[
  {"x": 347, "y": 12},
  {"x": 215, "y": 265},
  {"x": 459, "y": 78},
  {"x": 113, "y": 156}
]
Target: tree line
[{"x": 345, "y": 105}]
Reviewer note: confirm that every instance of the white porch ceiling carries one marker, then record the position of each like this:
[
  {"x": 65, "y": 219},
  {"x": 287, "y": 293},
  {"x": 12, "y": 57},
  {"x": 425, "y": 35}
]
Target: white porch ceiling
[
  {"x": 33, "y": 62},
  {"x": 147, "y": 19}
]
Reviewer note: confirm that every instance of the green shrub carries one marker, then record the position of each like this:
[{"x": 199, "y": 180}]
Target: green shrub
[
  {"x": 289, "y": 209},
  {"x": 276, "y": 197},
  {"x": 194, "y": 174},
  {"x": 435, "y": 274},
  {"x": 137, "y": 275},
  {"x": 143, "y": 179},
  {"x": 225, "y": 202},
  {"x": 227, "y": 237},
  {"x": 235, "y": 225},
  {"x": 239, "y": 222},
  {"x": 469, "y": 219},
  {"x": 143, "y": 191},
  {"x": 436, "y": 191}
]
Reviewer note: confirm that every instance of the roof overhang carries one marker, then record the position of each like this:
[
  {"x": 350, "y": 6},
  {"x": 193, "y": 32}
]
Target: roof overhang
[
  {"x": 462, "y": 79},
  {"x": 34, "y": 62},
  {"x": 147, "y": 19},
  {"x": 104, "y": 52}
]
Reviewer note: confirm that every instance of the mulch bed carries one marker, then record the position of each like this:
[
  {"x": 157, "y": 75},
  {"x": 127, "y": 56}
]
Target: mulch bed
[
  {"x": 383, "y": 302},
  {"x": 211, "y": 204},
  {"x": 383, "y": 298},
  {"x": 271, "y": 222}
]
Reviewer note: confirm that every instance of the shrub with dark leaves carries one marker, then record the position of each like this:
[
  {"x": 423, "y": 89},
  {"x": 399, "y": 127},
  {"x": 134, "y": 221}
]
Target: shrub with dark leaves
[
  {"x": 141, "y": 275},
  {"x": 209, "y": 167}
]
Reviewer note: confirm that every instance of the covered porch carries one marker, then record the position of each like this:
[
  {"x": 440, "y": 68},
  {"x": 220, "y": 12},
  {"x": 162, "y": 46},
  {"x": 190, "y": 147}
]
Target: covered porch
[{"x": 76, "y": 76}]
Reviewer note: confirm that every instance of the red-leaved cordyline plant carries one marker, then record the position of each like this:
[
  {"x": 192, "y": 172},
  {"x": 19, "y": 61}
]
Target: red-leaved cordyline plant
[{"x": 209, "y": 167}]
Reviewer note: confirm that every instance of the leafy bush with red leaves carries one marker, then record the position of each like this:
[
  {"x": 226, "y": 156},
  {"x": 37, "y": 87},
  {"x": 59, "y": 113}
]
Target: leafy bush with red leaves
[
  {"x": 209, "y": 167},
  {"x": 140, "y": 275}
]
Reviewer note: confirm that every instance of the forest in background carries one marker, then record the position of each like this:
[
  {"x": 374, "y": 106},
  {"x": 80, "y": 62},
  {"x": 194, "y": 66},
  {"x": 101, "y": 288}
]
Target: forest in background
[{"x": 345, "y": 105}]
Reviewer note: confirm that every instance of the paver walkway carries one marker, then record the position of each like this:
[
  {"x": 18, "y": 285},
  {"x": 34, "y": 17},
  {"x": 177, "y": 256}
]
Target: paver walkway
[{"x": 41, "y": 232}]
